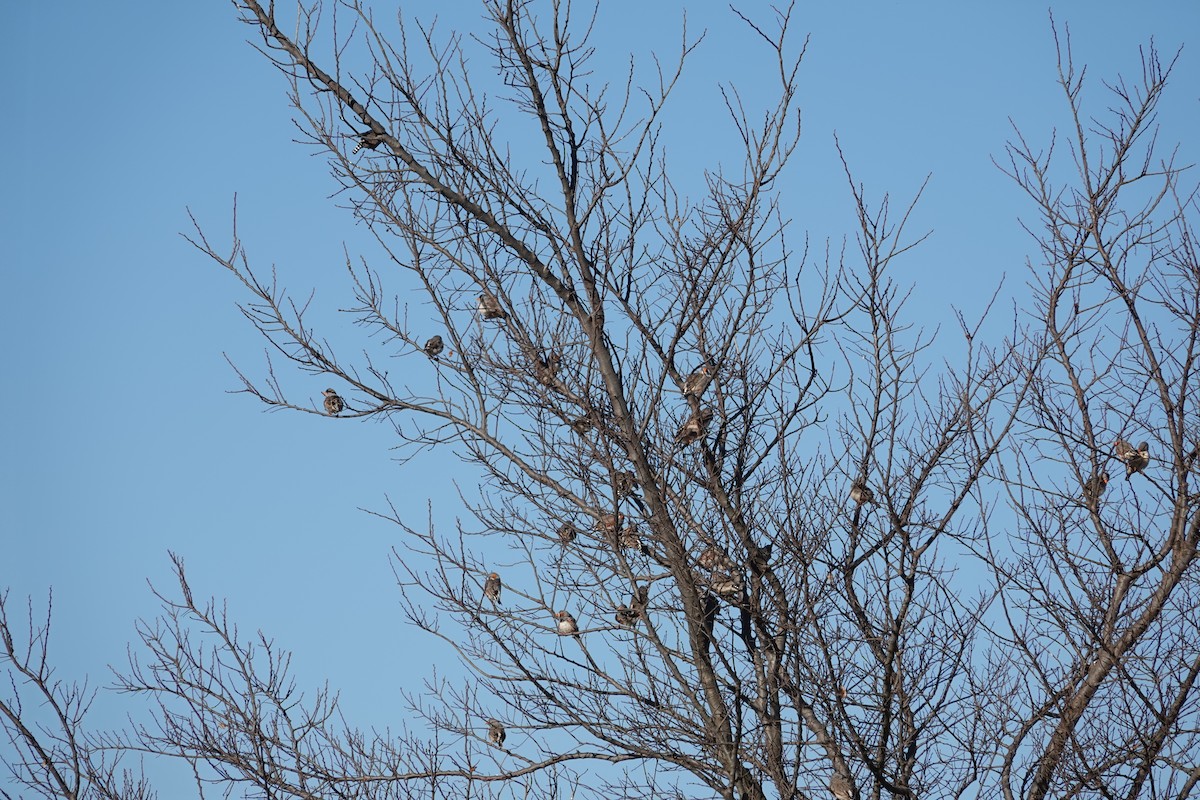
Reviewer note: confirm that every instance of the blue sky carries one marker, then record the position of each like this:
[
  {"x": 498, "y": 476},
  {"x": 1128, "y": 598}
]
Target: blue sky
[{"x": 121, "y": 441}]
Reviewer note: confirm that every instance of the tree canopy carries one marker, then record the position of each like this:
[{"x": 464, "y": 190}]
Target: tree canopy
[{"x": 744, "y": 530}]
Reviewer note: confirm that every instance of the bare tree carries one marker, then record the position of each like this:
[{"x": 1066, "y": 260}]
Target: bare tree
[
  {"x": 1097, "y": 644},
  {"x": 774, "y": 545},
  {"x": 43, "y": 718}
]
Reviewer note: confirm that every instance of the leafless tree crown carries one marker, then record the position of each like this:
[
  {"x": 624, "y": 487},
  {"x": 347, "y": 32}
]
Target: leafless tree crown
[{"x": 760, "y": 540}]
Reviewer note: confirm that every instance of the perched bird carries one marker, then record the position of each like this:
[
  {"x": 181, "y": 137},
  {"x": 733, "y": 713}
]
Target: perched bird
[
  {"x": 567, "y": 533},
  {"x": 628, "y": 617},
  {"x": 1094, "y": 486},
  {"x": 712, "y": 559},
  {"x": 489, "y": 307},
  {"x": 840, "y": 787},
  {"x": 624, "y": 482},
  {"x": 492, "y": 587},
  {"x": 496, "y": 733},
  {"x": 629, "y": 538},
  {"x": 334, "y": 404},
  {"x": 760, "y": 558},
  {"x": 546, "y": 369},
  {"x": 698, "y": 381},
  {"x": 434, "y": 347},
  {"x": 861, "y": 493},
  {"x": 1135, "y": 459},
  {"x": 726, "y": 584},
  {"x": 566, "y": 624},
  {"x": 693, "y": 430},
  {"x": 589, "y": 421},
  {"x": 610, "y": 523},
  {"x": 369, "y": 140}
]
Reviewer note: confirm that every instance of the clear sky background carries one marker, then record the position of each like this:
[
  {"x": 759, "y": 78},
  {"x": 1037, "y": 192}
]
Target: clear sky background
[{"x": 120, "y": 441}]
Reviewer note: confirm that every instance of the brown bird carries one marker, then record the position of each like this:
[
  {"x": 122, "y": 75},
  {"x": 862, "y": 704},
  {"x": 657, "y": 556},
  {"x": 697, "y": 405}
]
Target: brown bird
[
  {"x": 567, "y": 533},
  {"x": 712, "y": 559},
  {"x": 334, "y": 404},
  {"x": 698, "y": 381},
  {"x": 434, "y": 347},
  {"x": 725, "y": 584},
  {"x": 628, "y": 617},
  {"x": 546, "y": 370},
  {"x": 492, "y": 587},
  {"x": 610, "y": 523},
  {"x": 369, "y": 140},
  {"x": 760, "y": 558},
  {"x": 841, "y": 787},
  {"x": 624, "y": 482},
  {"x": 587, "y": 422},
  {"x": 1093, "y": 487},
  {"x": 496, "y": 733},
  {"x": 641, "y": 598},
  {"x": 693, "y": 430},
  {"x": 489, "y": 307},
  {"x": 1135, "y": 459},
  {"x": 629, "y": 538},
  {"x": 861, "y": 493},
  {"x": 566, "y": 624}
]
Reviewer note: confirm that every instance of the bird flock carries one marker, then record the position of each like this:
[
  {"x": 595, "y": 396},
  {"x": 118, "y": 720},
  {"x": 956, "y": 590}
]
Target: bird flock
[{"x": 724, "y": 579}]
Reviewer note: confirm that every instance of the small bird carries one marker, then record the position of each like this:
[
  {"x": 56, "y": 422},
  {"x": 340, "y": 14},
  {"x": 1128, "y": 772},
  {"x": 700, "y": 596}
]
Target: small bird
[
  {"x": 1093, "y": 487},
  {"x": 592, "y": 420},
  {"x": 712, "y": 559},
  {"x": 546, "y": 370},
  {"x": 693, "y": 430},
  {"x": 566, "y": 624},
  {"x": 861, "y": 493},
  {"x": 628, "y": 617},
  {"x": 760, "y": 558},
  {"x": 841, "y": 787},
  {"x": 628, "y": 538},
  {"x": 489, "y": 307},
  {"x": 725, "y": 584},
  {"x": 1135, "y": 459},
  {"x": 610, "y": 523},
  {"x": 641, "y": 598},
  {"x": 334, "y": 404},
  {"x": 624, "y": 482},
  {"x": 567, "y": 533},
  {"x": 369, "y": 140},
  {"x": 698, "y": 381},
  {"x": 492, "y": 587},
  {"x": 434, "y": 347},
  {"x": 496, "y": 733}
]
